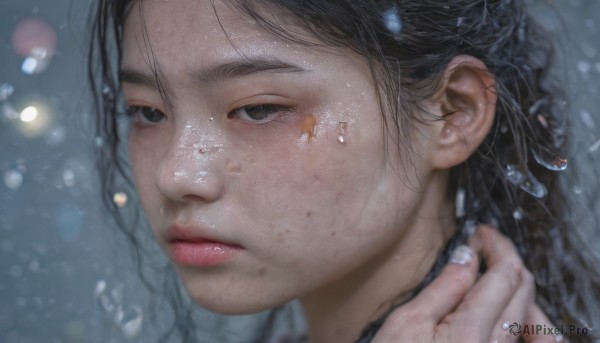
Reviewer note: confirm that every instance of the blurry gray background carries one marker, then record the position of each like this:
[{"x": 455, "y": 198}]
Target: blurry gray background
[{"x": 65, "y": 275}]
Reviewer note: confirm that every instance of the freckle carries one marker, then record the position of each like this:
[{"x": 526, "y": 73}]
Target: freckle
[
  {"x": 308, "y": 126},
  {"x": 261, "y": 272},
  {"x": 332, "y": 233},
  {"x": 309, "y": 214}
]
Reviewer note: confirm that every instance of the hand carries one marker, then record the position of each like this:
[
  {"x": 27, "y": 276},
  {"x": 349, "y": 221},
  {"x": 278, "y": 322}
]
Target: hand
[{"x": 459, "y": 307}]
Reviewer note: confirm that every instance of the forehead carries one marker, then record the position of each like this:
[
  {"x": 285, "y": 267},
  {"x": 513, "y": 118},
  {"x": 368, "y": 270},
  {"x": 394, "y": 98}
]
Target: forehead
[{"x": 196, "y": 32}]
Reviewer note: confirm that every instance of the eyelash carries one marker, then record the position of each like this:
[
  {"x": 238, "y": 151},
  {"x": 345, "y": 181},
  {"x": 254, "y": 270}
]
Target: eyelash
[{"x": 138, "y": 113}]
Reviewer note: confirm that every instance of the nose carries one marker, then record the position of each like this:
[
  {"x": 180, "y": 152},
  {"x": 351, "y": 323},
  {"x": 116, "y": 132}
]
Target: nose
[{"x": 189, "y": 174}]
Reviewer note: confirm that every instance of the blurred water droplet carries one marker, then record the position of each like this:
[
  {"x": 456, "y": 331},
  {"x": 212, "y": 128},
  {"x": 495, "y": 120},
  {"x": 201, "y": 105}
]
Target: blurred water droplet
[
  {"x": 6, "y": 90},
  {"x": 106, "y": 89},
  {"x": 56, "y": 135},
  {"x": 549, "y": 160},
  {"x": 15, "y": 271},
  {"x": 392, "y": 20},
  {"x": 583, "y": 66},
  {"x": 532, "y": 186},
  {"x": 21, "y": 302},
  {"x": 594, "y": 147},
  {"x": 100, "y": 288},
  {"x": 7, "y": 245},
  {"x": 130, "y": 321},
  {"x": 9, "y": 112},
  {"x": 106, "y": 303},
  {"x": 99, "y": 142},
  {"x": 117, "y": 294},
  {"x": 13, "y": 179},
  {"x": 460, "y": 203},
  {"x": 120, "y": 199},
  {"x": 513, "y": 175},
  {"x": 577, "y": 190},
  {"x": 69, "y": 178},
  {"x": 503, "y": 129},
  {"x": 517, "y": 214},
  {"x": 34, "y": 266},
  {"x": 37, "y": 61},
  {"x": 587, "y": 120},
  {"x": 342, "y": 126}
]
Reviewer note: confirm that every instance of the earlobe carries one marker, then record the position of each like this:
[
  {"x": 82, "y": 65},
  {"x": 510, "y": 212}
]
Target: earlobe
[{"x": 468, "y": 104}]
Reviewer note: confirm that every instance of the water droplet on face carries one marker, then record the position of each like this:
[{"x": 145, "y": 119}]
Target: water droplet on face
[
  {"x": 201, "y": 177},
  {"x": 13, "y": 179},
  {"x": 460, "y": 21},
  {"x": 120, "y": 199},
  {"x": 550, "y": 161},
  {"x": 308, "y": 127},
  {"x": 6, "y": 90},
  {"x": 341, "y": 130},
  {"x": 211, "y": 119}
]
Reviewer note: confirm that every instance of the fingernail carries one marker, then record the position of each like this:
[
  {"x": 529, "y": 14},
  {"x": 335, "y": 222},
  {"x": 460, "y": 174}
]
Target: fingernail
[{"x": 462, "y": 255}]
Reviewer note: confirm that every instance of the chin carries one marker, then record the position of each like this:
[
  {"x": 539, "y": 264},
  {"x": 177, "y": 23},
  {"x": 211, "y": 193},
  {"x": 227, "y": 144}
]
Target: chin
[{"x": 231, "y": 307}]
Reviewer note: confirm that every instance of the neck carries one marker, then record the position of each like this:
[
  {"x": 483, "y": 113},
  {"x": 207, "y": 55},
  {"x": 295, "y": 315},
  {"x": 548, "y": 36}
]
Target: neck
[{"x": 339, "y": 311}]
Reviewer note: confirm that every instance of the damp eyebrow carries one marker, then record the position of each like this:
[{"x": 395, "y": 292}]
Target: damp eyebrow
[
  {"x": 228, "y": 70},
  {"x": 245, "y": 67}
]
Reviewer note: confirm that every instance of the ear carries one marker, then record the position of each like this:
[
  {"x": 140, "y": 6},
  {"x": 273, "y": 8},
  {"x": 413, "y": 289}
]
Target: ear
[{"x": 467, "y": 101}]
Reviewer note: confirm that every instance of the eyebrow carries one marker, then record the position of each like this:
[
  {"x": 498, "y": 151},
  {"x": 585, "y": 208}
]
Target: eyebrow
[{"x": 229, "y": 70}]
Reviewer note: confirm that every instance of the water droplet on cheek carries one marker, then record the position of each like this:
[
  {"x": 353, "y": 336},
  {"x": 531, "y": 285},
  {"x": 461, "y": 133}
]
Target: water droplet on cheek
[
  {"x": 308, "y": 127},
  {"x": 342, "y": 127}
]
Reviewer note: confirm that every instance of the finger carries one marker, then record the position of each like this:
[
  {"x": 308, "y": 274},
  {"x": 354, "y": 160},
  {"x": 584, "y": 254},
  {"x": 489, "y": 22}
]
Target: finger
[
  {"x": 450, "y": 286},
  {"x": 516, "y": 311},
  {"x": 541, "y": 328},
  {"x": 491, "y": 295}
]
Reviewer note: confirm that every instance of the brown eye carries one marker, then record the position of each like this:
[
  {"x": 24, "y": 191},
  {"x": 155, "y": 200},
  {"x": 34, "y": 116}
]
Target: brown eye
[
  {"x": 145, "y": 114},
  {"x": 257, "y": 114}
]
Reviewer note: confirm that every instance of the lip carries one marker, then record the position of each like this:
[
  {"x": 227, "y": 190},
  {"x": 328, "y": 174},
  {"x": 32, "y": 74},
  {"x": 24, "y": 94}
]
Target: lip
[{"x": 192, "y": 246}]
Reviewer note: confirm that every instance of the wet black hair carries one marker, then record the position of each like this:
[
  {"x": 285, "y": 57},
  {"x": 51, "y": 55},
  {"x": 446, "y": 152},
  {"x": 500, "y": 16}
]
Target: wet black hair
[{"x": 514, "y": 181}]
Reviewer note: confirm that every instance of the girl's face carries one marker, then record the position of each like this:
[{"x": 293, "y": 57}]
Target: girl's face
[{"x": 275, "y": 147}]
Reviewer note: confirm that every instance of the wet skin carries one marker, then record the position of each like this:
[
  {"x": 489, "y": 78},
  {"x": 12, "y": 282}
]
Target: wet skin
[{"x": 341, "y": 227}]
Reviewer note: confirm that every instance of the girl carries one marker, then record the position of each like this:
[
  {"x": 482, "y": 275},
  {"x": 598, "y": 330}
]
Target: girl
[{"x": 342, "y": 153}]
